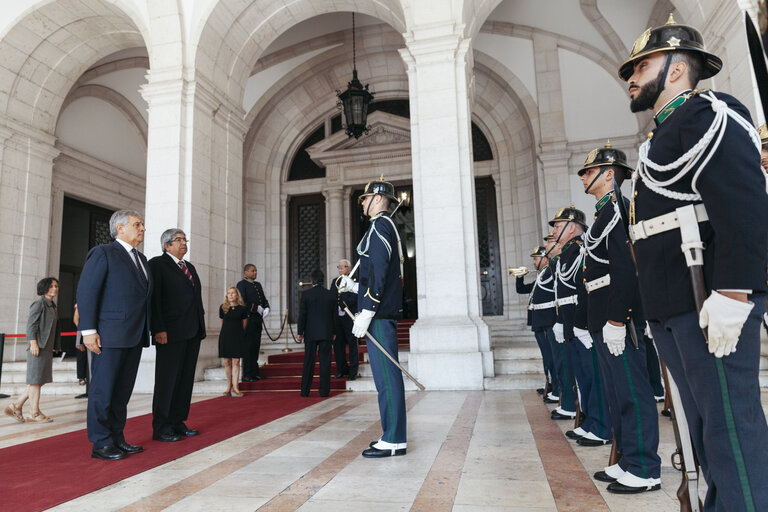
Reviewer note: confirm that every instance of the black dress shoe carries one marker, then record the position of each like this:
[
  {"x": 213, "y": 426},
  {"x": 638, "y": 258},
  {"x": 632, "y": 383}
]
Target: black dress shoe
[
  {"x": 558, "y": 416},
  {"x": 338, "y": 376},
  {"x": 618, "y": 488},
  {"x": 257, "y": 378},
  {"x": 110, "y": 452},
  {"x": 570, "y": 434},
  {"x": 667, "y": 413},
  {"x": 540, "y": 391},
  {"x": 593, "y": 442},
  {"x": 548, "y": 400},
  {"x": 604, "y": 477},
  {"x": 186, "y": 431},
  {"x": 353, "y": 377},
  {"x": 376, "y": 453},
  {"x": 82, "y": 395},
  {"x": 129, "y": 448},
  {"x": 248, "y": 379},
  {"x": 166, "y": 438}
]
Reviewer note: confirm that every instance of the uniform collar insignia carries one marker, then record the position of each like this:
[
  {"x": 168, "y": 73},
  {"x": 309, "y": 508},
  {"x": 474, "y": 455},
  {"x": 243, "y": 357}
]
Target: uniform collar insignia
[
  {"x": 671, "y": 106},
  {"x": 248, "y": 279},
  {"x": 604, "y": 200}
]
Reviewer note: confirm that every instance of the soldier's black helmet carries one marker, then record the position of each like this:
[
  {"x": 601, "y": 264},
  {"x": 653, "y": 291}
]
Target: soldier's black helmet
[
  {"x": 549, "y": 236},
  {"x": 608, "y": 156},
  {"x": 570, "y": 213},
  {"x": 380, "y": 187},
  {"x": 671, "y": 37},
  {"x": 539, "y": 251}
]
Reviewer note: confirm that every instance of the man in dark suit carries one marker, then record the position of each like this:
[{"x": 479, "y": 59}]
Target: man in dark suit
[
  {"x": 178, "y": 325},
  {"x": 113, "y": 299},
  {"x": 344, "y": 337},
  {"x": 258, "y": 307},
  {"x": 317, "y": 322}
]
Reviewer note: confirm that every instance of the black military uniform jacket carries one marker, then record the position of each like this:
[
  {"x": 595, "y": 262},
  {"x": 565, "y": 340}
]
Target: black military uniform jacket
[
  {"x": 732, "y": 188},
  {"x": 381, "y": 285},
  {"x": 620, "y": 300},
  {"x": 571, "y": 315},
  {"x": 541, "y": 292},
  {"x": 253, "y": 296}
]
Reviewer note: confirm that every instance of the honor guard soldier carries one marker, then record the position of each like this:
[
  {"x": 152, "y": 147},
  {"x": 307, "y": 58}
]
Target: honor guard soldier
[
  {"x": 571, "y": 329},
  {"x": 701, "y": 245},
  {"x": 258, "y": 308},
  {"x": 613, "y": 311},
  {"x": 380, "y": 304},
  {"x": 541, "y": 316}
]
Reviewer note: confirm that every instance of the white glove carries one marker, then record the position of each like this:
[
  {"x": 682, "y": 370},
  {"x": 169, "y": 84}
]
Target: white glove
[
  {"x": 648, "y": 331},
  {"x": 558, "y": 330},
  {"x": 264, "y": 313},
  {"x": 584, "y": 337},
  {"x": 346, "y": 284},
  {"x": 362, "y": 321},
  {"x": 260, "y": 310},
  {"x": 615, "y": 337},
  {"x": 723, "y": 317}
]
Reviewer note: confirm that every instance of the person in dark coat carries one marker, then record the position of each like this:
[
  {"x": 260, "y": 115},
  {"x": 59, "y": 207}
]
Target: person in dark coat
[
  {"x": 178, "y": 326},
  {"x": 699, "y": 206},
  {"x": 344, "y": 337},
  {"x": 258, "y": 308},
  {"x": 113, "y": 298},
  {"x": 317, "y": 323}
]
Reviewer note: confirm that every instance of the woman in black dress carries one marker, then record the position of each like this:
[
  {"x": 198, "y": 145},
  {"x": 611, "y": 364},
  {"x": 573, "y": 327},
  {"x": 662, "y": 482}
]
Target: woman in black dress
[{"x": 233, "y": 317}]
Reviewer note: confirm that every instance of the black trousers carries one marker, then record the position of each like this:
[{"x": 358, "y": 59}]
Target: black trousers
[
  {"x": 311, "y": 348},
  {"x": 174, "y": 378},
  {"x": 252, "y": 347},
  {"x": 82, "y": 364},
  {"x": 345, "y": 339}
]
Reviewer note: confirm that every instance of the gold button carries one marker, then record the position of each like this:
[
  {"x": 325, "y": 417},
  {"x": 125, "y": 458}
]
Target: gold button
[
  {"x": 650, "y": 135},
  {"x": 630, "y": 310}
]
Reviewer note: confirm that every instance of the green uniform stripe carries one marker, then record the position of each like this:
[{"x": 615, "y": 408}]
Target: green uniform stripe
[
  {"x": 388, "y": 393},
  {"x": 638, "y": 419},
  {"x": 741, "y": 468}
]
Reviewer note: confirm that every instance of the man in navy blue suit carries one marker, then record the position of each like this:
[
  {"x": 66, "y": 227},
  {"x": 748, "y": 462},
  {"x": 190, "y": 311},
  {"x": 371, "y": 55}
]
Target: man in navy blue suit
[{"x": 113, "y": 298}]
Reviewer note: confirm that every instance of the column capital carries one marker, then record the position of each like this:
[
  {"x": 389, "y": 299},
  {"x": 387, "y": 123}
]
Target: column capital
[
  {"x": 332, "y": 194},
  {"x": 435, "y": 45}
]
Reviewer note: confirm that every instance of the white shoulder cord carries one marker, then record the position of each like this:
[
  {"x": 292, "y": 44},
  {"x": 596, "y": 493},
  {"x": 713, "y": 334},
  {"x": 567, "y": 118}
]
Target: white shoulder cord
[
  {"x": 541, "y": 282},
  {"x": 568, "y": 274},
  {"x": 591, "y": 243},
  {"x": 689, "y": 160}
]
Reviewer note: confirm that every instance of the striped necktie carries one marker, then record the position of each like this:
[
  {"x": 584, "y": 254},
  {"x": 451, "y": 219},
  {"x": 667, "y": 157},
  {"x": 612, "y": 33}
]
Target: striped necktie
[
  {"x": 186, "y": 271},
  {"x": 139, "y": 268}
]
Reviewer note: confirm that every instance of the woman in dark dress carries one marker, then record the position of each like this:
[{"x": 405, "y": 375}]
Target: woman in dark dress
[{"x": 233, "y": 317}]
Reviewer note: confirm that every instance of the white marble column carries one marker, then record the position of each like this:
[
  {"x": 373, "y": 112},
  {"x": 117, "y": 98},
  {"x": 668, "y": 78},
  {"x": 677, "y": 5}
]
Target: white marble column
[
  {"x": 335, "y": 230},
  {"x": 26, "y": 171},
  {"x": 450, "y": 346}
]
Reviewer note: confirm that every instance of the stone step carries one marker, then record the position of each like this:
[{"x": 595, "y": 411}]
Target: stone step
[
  {"x": 509, "y": 382},
  {"x": 517, "y": 366},
  {"x": 516, "y": 352},
  {"x": 366, "y": 384},
  {"x": 14, "y": 389}
]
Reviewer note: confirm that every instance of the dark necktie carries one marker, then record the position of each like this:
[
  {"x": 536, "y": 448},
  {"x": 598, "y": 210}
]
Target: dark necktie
[
  {"x": 186, "y": 271},
  {"x": 138, "y": 264}
]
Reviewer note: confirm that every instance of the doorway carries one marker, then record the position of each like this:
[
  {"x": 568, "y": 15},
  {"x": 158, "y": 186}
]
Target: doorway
[
  {"x": 306, "y": 245},
  {"x": 488, "y": 247}
]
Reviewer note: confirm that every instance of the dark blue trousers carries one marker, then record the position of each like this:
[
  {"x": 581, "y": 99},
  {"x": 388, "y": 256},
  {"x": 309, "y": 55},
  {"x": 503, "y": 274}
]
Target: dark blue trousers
[
  {"x": 591, "y": 393},
  {"x": 654, "y": 369},
  {"x": 542, "y": 339},
  {"x": 568, "y": 394},
  {"x": 113, "y": 374},
  {"x": 721, "y": 398},
  {"x": 634, "y": 416},
  {"x": 389, "y": 381}
]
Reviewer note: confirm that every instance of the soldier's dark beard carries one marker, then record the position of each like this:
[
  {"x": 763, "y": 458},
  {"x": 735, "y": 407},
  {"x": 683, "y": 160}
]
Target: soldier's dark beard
[{"x": 649, "y": 93}]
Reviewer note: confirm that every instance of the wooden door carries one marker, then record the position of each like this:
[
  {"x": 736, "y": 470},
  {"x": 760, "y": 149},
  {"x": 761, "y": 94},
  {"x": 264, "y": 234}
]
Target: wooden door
[{"x": 488, "y": 247}]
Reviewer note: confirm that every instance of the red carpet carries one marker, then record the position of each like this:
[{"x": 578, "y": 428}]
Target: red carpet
[{"x": 41, "y": 474}]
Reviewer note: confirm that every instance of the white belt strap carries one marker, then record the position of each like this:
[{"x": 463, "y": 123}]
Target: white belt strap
[
  {"x": 596, "y": 284},
  {"x": 666, "y": 222},
  {"x": 692, "y": 246},
  {"x": 573, "y": 299},
  {"x": 542, "y": 305}
]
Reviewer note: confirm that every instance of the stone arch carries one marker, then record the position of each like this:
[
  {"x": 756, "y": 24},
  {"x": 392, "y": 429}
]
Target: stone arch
[
  {"x": 50, "y": 47},
  {"x": 231, "y": 36},
  {"x": 474, "y": 15},
  {"x": 115, "y": 99}
]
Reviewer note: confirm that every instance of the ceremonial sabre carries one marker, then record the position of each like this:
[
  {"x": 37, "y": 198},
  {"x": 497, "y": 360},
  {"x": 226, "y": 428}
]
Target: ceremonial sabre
[{"x": 378, "y": 345}]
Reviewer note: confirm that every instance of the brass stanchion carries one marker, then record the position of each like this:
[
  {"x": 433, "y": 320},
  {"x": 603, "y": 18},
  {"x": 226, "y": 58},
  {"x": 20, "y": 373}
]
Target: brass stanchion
[{"x": 287, "y": 348}]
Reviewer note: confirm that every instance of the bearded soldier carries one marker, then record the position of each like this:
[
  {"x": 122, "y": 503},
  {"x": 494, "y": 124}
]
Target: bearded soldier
[
  {"x": 541, "y": 316},
  {"x": 380, "y": 302},
  {"x": 571, "y": 330},
  {"x": 614, "y": 301},
  {"x": 701, "y": 244}
]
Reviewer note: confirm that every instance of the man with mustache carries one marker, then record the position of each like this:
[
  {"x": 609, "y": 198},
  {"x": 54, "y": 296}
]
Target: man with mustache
[{"x": 698, "y": 197}]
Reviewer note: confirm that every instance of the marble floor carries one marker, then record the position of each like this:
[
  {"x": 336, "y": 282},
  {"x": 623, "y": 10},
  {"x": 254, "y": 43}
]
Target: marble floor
[{"x": 467, "y": 451}]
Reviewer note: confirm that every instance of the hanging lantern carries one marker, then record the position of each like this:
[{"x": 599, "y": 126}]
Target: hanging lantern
[{"x": 355, "y": 100}]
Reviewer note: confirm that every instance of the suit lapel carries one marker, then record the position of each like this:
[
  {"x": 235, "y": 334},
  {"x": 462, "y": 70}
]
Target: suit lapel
[
  {"x": 130, "y": 261},
  {"x": 178, "y": 269}
]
